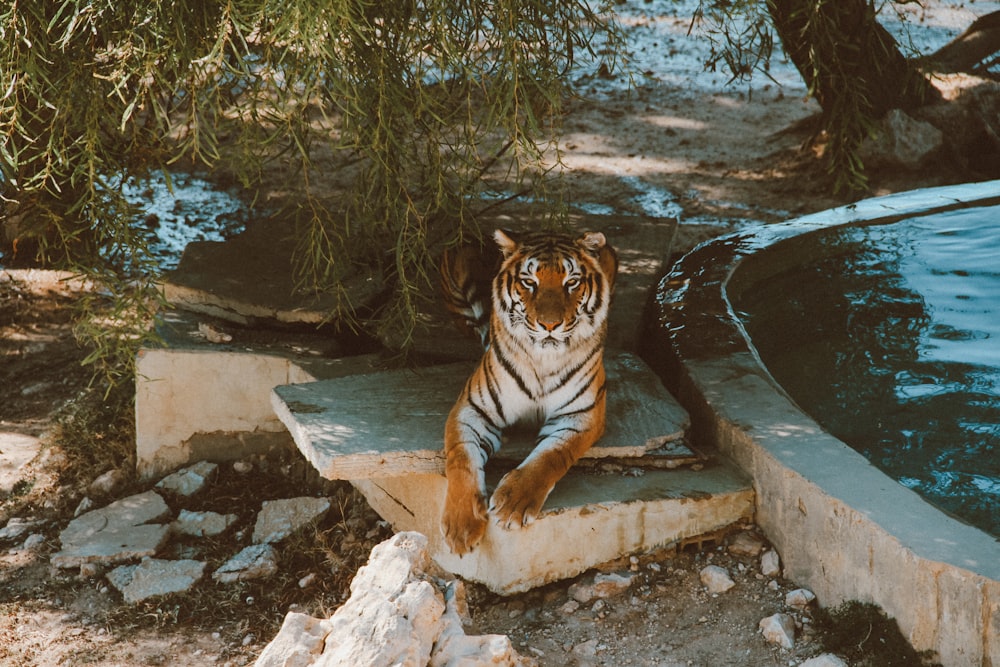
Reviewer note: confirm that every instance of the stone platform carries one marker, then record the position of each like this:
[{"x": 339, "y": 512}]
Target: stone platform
[{"x": 635, "y": 491}]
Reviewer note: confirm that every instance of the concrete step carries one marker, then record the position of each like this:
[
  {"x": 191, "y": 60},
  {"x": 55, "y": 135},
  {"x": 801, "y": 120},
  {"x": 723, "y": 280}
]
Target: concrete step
[
  {"x": 384, "y": 432},
  {"x": 589, "y": 519},
  {"x": 392, "y": 422}
]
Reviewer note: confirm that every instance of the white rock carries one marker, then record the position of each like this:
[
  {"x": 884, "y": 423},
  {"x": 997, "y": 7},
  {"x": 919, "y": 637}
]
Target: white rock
[
  {"x": 298, "y": 644},
  {"x": 188, "y": 481},
  {"x": 800, "y": 598},
  {"x": 770, "y": 563},
  {"x": 779, "y": 629},
  {"x": 257, "y": 561},
  {"x": 824, "y": 660},
  {"x": 279, "y": 519},
  {"x": 397, "y": 615},
  {"x": 716, "y": 579}
]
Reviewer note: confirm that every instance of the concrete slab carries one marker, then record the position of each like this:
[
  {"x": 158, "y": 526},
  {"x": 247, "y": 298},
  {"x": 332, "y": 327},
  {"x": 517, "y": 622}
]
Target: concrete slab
[
  {"x": 251, "y": 278},
  {"x": 198, "y": 401},
  {"x": 392, "y": 423},
  {"x": 589, "y": 519}
]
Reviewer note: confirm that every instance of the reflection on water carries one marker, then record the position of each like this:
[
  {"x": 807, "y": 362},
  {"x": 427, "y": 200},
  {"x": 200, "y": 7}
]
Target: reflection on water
[
  {"x": 891, "y": 341},
  {"x": 185, "y": 209}
]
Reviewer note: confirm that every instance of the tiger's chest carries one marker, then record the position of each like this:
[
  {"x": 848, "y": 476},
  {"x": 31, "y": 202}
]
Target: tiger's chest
[{"x": 532, "y": 388}]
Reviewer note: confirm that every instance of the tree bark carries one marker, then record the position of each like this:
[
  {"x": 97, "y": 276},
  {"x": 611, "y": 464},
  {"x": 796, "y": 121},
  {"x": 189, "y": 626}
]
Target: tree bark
[
  {"x": 839, "y": 47},
  {"x": 970, "y": 51}
]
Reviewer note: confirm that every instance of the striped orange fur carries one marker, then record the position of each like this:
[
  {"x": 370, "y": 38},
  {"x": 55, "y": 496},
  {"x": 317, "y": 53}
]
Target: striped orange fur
[{"x": 547, "y": 316}]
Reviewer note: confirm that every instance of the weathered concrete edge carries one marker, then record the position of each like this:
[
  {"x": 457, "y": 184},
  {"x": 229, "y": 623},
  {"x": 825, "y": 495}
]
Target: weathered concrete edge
[
  {"x": 214, "y": 393},
  {"x": 546, "y": 550},
  {"x": 841, "y": 525},
  {"x": 829, "y": 513}
]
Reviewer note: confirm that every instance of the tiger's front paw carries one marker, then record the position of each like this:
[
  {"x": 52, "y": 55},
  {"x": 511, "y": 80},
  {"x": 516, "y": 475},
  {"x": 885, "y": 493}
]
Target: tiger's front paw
[
  {"x": 518, "y": 498},
  {"x": 464, "y": 520}
]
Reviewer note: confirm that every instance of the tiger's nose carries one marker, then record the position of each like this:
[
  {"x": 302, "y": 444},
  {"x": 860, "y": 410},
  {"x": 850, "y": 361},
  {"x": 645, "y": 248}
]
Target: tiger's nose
[{"x": 549, "y": 324}]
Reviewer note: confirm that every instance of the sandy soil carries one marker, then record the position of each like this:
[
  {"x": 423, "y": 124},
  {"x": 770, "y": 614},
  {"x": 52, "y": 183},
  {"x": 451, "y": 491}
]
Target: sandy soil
[{"x": 717, "y": 156}]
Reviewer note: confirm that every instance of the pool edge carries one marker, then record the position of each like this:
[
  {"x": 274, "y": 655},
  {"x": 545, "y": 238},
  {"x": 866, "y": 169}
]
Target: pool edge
[{"x": 842, "y": 527}]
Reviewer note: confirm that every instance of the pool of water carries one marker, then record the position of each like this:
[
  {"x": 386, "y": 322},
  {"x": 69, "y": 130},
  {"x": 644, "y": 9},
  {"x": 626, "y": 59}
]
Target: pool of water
[{"x": 889, "y": 336}]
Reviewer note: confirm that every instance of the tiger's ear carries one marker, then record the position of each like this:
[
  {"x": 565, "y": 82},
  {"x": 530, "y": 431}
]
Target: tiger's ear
[
  {"x": 506, "y": 241},
  {"x": 597, "y": 245},
  {"x": 592, "y": 242}
]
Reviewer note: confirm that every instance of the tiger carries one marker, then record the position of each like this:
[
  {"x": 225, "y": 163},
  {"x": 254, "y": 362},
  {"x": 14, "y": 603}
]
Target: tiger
[{"x": 544, "y": 329}]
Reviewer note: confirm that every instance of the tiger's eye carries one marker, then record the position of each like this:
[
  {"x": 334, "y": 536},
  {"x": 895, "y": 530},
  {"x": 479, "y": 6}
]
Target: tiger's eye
[
  {"x": 572, "y": 283},
  {"x": 528, "y": 283}
]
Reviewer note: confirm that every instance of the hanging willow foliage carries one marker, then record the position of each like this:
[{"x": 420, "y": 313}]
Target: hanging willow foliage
[{"x": 427, "y": 95}]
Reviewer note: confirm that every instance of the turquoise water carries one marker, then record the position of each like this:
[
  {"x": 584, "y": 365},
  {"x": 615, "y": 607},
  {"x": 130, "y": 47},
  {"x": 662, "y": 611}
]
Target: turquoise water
[{"x": 890, "y": 339}]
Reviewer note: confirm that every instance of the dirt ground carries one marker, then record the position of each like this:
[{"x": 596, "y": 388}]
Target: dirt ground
[{"x": 719, "y": 158}]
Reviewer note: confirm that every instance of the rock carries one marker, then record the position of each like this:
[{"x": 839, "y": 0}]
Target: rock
[
  {"x": 16, "y": 528},
  {"x": 90, "y": 571},
  {"x": 86, "y": 504},
  {"x": 257, "y": 561},
  {"x": 454, "y": 648},
  {"x": 569, "y": 608},
  {"x": 397, "y": 614},
  {"x": 602, "y": 586},
  {"x": 106, "y": 483},
  {"x": 243, "y": 467},
  {"x": 716, "y": 579},
  {"x": 202, "y": 524},
  {"x": 153, "y": 577},
  {"x": 213, "y": 334},
  {"x": 280, "y": 518},
  {"x": 800, "y": 598},
  {"x": 779, "y": 629},
  {"x": 587, "y": 649},
  {"x": 116, "y": 533},
  {"x": 33, "y": 541},
  {"x": 746, "y": 544},
  {"x": 770, "y": 563},
  {"x": 824, "y": 660},
  {"x": 901, "y": 140},
  {"x": 188, "y": 481},
  {"x": 298, "y": 643}
]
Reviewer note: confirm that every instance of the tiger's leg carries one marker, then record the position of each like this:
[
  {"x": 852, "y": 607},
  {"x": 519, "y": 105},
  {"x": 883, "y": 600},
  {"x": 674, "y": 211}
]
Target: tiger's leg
[
  {"x": 519, "y": 497},
  {"x": 468, "y": 443}
]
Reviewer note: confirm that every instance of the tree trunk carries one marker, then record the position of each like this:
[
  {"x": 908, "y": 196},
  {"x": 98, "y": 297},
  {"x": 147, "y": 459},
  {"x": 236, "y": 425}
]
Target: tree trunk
[
  {"x": 972, "y": 51},
  {"x": 840, "y": 48}
]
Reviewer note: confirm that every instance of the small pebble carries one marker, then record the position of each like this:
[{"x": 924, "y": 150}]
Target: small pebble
[
  {"x": 800, "y": 598},
  {"x": 770, "y": 563},
  {"x": 716, "y": 579},
  {"x": 779, "y": 629}
]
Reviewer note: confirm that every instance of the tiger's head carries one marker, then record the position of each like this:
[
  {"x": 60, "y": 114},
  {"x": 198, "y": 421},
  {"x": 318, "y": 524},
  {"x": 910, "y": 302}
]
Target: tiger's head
[{"x": 553, "y": 290}]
